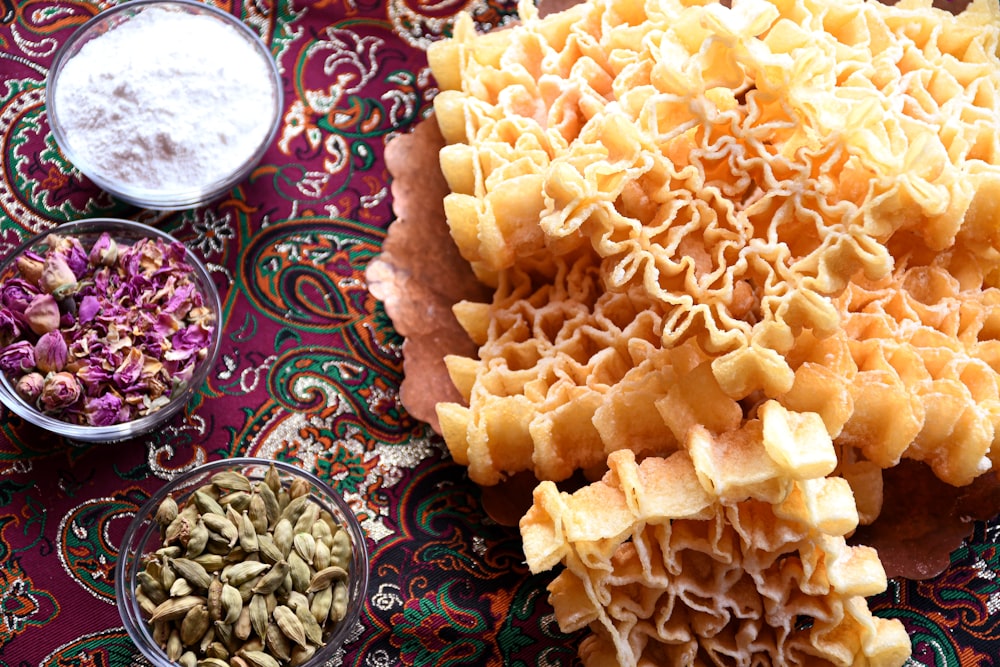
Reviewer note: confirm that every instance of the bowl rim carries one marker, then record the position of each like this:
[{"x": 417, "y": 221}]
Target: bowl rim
[
  {"x": 143, "y": 527},
  {"x": 137, "y": 427},
  {"x": 145, "y": 197}
]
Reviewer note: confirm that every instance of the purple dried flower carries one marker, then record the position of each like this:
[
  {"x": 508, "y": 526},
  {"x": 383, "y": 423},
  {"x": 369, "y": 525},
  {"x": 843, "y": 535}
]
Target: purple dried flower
[
  {"x": 29, "y": 386},
  {"x": 189, "y": 341},
  {"x": 104, "y": 252},
  {"x": 61, "y": 390},
  {"x": 93, "y": 377},
  {"x": 115, "y": 329},
  {"x": 42, "y": 314},
  {"x": 105, "y": 410},
  {"x": 16, "y": 294},
  {"x": 51, "y": 352},
  {"x": 17, "y": 358},
  {"x": 10, "y": 329},
  {"x": 182, "y": 300},
  {"x": 165, "y": 326},
  {"x": 130, "y": 369},
  {"x": 88, "y": 308},
  {"x": 72, "y": 252},
  {"x": 57, "y": 278}
]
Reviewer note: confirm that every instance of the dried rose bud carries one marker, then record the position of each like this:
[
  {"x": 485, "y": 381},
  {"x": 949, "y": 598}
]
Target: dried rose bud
[
  {"x": 51, "y": 352},
  {"x": 57, "y": 278},
  {"x": 16, "y": 294},
  {"x": 29, "y": 386},
  {"x": 106, "y": 410},
  {"x": 30, "y": 268},
  {"x": 17, "y": 358},
  {"x": 71, "y": 250},
  {"x": 61, "y": 390},
  {"x": 42, "y": 314},
  {"x": 104, "y": 251},
  {"x": 9, "y": 327}
]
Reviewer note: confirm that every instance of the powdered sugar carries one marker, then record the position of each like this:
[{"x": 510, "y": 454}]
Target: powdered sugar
[{"x": 167, "y": 101}]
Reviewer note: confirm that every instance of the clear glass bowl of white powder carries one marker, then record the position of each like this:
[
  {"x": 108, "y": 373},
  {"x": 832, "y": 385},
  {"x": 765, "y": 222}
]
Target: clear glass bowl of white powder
[{"x": 165, "y": 104}]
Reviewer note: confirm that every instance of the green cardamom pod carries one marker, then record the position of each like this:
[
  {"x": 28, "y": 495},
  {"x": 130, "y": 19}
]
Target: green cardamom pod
[
  {"x": 320, "y": 604},
  {"x": 306, "y": 520},
  {"x": 242, "y": 627},
  {"x": 153, "y": 588},
  {"x": 268, "y": 550},
  {"x": 147, "y": 605},
  {"x": 280, "y": 645},
  {"x": 238, "y": 500},
  {"x": 207, "y": 504},
  {"x": 259, "y": 615},
  {"x": 294, "y": 509},
  {"x": 212, "y": 662},
  {"x": 181, "y": 588},
  {"x": 271, "y": 579},
  {"x": 314, "y": 633},
  {"x": 271, "y": 507},
  {"x": 290, "y": 624},
  {"x": 174, "y": 647},
  {"x": 301, "y": 655},
  {"x": 197, "y": 539},
  {"x": 305, "y": 544},
  {"x": 193, "y": 572},
  {"x": 231, "y": 604},
  {"x": 283, "y": 535},
  {"x": 238, "y": 573},
  {"x": 194, "y": 625},
  {"x": 298, "y": 488},
  {"x": 230, "y": 480},
  {"x": 166, "y": 511},
  {"x": 338, "y": 609},
  {"x": 300, "y": 571},
  {"x": 321, "y": 531},
  {"x": 257, "y": 513},
  {"x": 248, "y": 534},
  {"x": 272, "y": 479},
  {"x": 341, "y": 549},
  {"x": 215, "y": 599},
  {"x": 222, "y": 526},
  {"x": 175, "y": 608},
  {"x": 259, "y": 659},
  {"x": 217, "y": 650},
  {"x": 325, "y": 577}
]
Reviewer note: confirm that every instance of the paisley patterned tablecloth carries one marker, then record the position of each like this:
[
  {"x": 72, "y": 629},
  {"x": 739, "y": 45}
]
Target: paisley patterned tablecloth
[{"x": 309, "y": 372}]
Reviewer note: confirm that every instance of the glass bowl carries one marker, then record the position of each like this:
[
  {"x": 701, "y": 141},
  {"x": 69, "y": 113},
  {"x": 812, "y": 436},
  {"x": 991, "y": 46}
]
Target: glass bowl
[
  {"x": 167, "y": 123},
  {"x": 124, "y": 233},
  {"x": 143, "y": 537}
]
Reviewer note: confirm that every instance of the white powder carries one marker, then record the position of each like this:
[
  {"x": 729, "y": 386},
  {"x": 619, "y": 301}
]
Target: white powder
[{"x": 167, "y": 101}]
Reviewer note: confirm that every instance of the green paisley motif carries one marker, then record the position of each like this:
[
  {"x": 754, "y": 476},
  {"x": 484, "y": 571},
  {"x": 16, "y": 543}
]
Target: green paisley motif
[
  {"x": 83, "y": 544},
  {"x": 310, "y": 278},
  {"x": 111, "y": 648},
  {"x": 436, "y": 629},
  {"x": 23, "y": 605}
]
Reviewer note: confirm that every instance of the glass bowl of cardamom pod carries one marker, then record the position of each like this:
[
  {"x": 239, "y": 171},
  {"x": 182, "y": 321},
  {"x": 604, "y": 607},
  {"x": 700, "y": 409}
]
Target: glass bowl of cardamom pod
[{"x": 242, "y": 562}]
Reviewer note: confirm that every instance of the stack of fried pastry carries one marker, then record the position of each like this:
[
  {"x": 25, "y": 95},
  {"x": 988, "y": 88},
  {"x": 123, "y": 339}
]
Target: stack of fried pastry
[{"x": 744, "y": 259}]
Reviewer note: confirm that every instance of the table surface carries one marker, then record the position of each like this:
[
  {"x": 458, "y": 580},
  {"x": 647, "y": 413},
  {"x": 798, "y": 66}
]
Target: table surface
[{"x": 309, "y": 371}]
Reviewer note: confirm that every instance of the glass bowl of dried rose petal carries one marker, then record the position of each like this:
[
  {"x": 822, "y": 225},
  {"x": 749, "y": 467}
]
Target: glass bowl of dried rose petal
[
  {"x": 242, "y": 561},
  {"x": 107, "y": 328}
]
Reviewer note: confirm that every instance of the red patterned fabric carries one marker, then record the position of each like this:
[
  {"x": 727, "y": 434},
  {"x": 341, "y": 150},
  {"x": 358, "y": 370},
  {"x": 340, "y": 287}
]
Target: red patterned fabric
[{"x": 309, "y": 372}]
